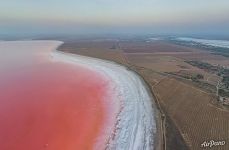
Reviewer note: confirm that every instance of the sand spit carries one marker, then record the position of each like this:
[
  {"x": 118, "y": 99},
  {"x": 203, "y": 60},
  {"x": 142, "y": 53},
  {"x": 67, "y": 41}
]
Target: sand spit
[{"x": 135, "y": 126}]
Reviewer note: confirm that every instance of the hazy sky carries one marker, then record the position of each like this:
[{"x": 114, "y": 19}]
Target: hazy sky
[{"x": 114, "y": 16}]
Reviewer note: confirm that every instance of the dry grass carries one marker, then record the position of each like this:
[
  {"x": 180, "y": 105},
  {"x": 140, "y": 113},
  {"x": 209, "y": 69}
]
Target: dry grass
[
  {"x": 152, "y": 47},
  {"x": 194, "y": 115},
  {"x": 188, "y": 107},
  {"x": 166, "y": 57},
  {"x": 158, "y": 63},
  {"x": 205, "y": 57},
  {"x": 102, "y": 50}
]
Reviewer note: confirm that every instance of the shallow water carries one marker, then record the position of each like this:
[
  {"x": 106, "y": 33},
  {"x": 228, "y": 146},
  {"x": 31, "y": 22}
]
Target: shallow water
[{"x": 46, "y": 104}]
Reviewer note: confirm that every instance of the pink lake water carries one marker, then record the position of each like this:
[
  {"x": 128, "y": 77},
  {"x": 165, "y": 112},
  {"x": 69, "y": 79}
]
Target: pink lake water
[{"x": 46, "y": 104}]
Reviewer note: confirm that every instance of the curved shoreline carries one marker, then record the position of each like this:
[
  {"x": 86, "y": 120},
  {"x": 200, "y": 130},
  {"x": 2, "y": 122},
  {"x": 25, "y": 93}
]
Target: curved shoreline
[
  {"x": 136, "y": 123},
  {"x": 65, "y": 104}
]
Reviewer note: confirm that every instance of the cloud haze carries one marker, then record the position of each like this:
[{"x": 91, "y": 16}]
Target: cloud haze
[{"x": 140, "y": 16}]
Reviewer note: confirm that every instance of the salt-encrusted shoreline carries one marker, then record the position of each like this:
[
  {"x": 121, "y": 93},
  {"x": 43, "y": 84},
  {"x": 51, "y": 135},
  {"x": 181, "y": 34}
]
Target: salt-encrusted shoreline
[{"x": 136, "y": 125}]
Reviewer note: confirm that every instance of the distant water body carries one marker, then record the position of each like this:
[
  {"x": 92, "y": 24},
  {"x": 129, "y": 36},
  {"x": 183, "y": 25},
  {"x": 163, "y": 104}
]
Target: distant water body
[{"x": 215, "y": 43}]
